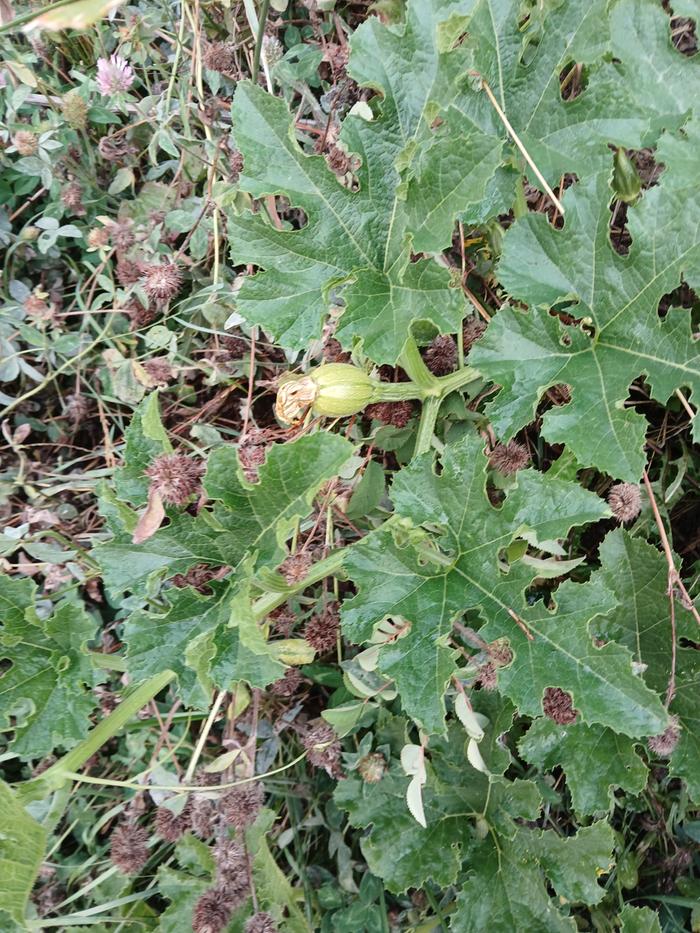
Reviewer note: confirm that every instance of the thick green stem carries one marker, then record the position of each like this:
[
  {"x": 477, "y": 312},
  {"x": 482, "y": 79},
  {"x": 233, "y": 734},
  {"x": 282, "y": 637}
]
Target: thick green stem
[
  {"x": 327, "y": 567},
  {"x": 57, "y": 775},
  {"x": 259, "y": 38},
  {"x": 417, "y": 371},
  {"x": 426, "y": 425}
]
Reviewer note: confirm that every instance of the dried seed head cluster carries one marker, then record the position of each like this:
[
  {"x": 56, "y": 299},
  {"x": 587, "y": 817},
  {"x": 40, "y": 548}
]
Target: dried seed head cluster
[
  {"x": 232, "y": 870},
  {"x": 509, "y": 458},
  {"x": 287, "y": 685},
  {"x": 372, "y": 767},
  {"x": 221, "y": 57},
  {"x": 558, "y": 706},
  {"x": 235, "y": 165},
  {"x": 472, "y": 328},
  {"x": 128, "y": 271},
  {"x": 441, "y": 355},
  {"x": 75, "y": 110},
  {"x": 197, "y": 577},
  {"x": 203, "y": 817},
  {"x": 261, "y": 923},
  {"x": 665, "y": 744},
  {"x": 72, "y": 198},
  {"x": 625, "y": 501},
  {"x": 252, "y": 450},
  {"x": 295, "y": 567},
  {"x": 240, "y": 806},
  {"x": 212, "y": 912},
  {"x": 162, "y": 282},
  {"x": 273, "y": 49},
  {"x": 323, "y": 748},
  {"x": 115, "y": 148},
  {"x": 158, "y": 370},
  {"x": 283, "y": 620},
  {"x": 129, "y": 847},
  {"x": 321, "y": 631},
  {"x": 397, "y": 414},
  {"x": 487, "y": 676},
  {"x": 171, "y": 826},
  {"x": 175, "y": 477},
  {"x": 236, "y": 347},
  {"x": 26, "y": 142}
]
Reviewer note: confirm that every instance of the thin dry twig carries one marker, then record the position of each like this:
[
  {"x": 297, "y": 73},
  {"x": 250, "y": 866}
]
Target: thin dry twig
[
  {"x": 675, "y": 585},
  {"x": 518, "y": 142}
]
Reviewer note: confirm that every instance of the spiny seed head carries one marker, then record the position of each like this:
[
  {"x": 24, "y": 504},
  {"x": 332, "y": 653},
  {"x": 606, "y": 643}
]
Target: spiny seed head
[
  {"x": 240, "y": 806},
  {"x": 397, "y": 414},
  {"x": 372, "y": 767},
  {"x": 283, "y": 620},
  {"x": 162, "y": 282},
  {"x": 323, "y": 748},
  {"x": 235, "y": 165},
  {"x": 212, "y": 911},
  {"x": 321, "y": 631},
  {"x": 664, "y": 744},
  {"x": 472, "y": 328},
  {"x": 287, "y": 685},
  {"x": 97, "y": 237},
  {"x": 273, "y": 49},
  {"x": 261, "y": 923},
  {"x": 558, "y": 706},
  {"x": 140, "y": 316},
  {"x": 488, "y": 678},
  {"x": 232, "y": 870},
  {"x": 509, "y": 458},
  {"x": 159, "y": 370},
  {"x": 230, "y": 856},
  {"x": 122, "y": 235},
  {"x": 115, "y": 148},
  {"x": 221, "y": 57},
  {"x": 129, "y": 271},
  {"x": 441, "y": 355},
  {"x": 72, "y": 198},
  {"x": 25, "y": 142},
  {"x": 175, "y": 477},
  {"x": 295, "y": 567},
  {"x": 129, "y": 848},
  {"x": 625, "y": 501},
  {"x": 171, "y": 826},
  {"x": 203, "y": 817},
  {"x": 75, "y": 110}
]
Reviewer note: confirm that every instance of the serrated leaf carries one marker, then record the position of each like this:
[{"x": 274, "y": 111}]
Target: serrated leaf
[
  {"x": 601, "y": 680},
  {"x": 45, "y": 693},
  {"x": 397, "y": 848},
  {"x": 355, "y": 238},
  {"x": 574, "y": 863},
  {"x": 595, "y": 760},
  {"x": 246, "y": 517},
  {"x": 22, "y": 845},
  {"x": 637, "y": 573},
  {"x": 527, "y": 353},
  {"x": 146, "y": 439},
  {"x": 522, "y": 60},
  {"x": 429, "y": 588},
  {"x": 685, "y": 760},
  {"x": 505, "y": 892},
  {"x": 639, "y": 920}
]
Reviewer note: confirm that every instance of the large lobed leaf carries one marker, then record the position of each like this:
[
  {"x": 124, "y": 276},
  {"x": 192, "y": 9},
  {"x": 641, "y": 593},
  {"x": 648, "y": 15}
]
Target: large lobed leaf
[
  {"x": 45, "y": 693},
  {"x": 616, "y": 296},
  {"x": 355, "y": 238},
  {"x": 429, "y": 588}
]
